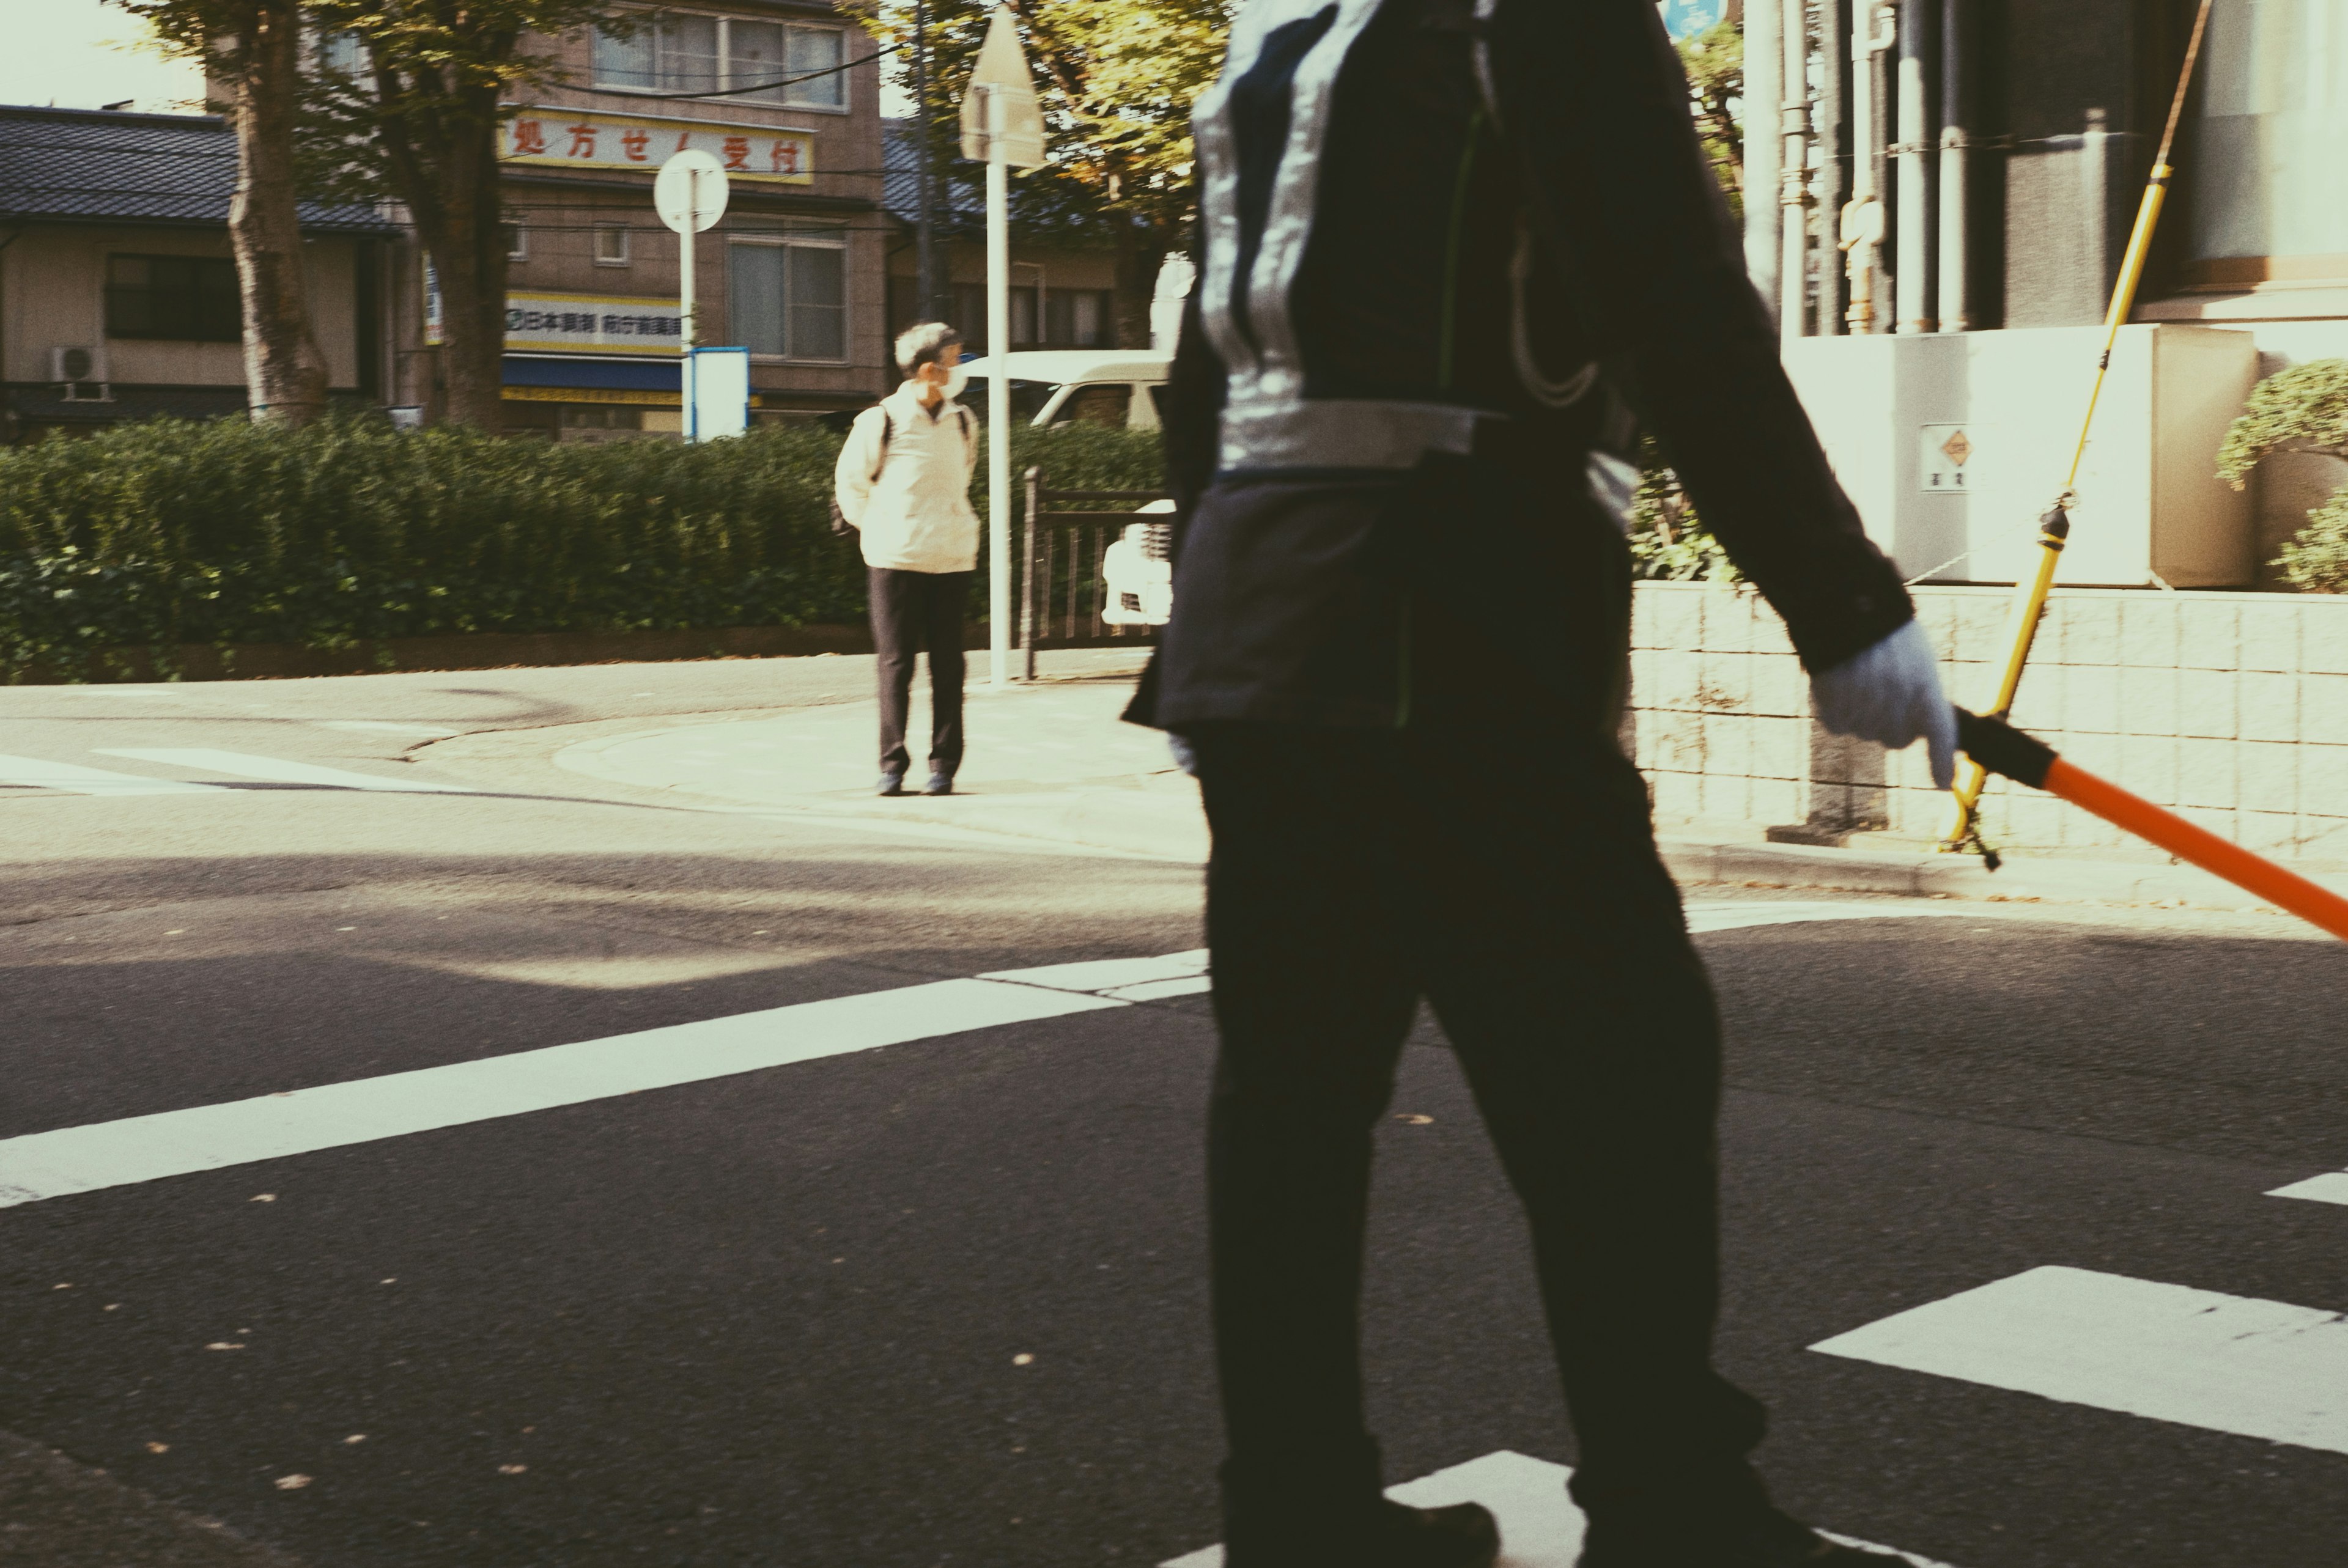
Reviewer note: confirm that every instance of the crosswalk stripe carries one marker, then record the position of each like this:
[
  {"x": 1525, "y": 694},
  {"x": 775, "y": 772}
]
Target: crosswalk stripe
[
  {"x": 1100, "y": 974},
  {"x": 2227, "y": 1363},
  {"x": 38, "y": 772},
  {"x": 241, "y": 764},
  {"x": 2331, "y": 1187},
  {"x": 42, "y": 1166},
  {"x": 1539, "y": 1525}
]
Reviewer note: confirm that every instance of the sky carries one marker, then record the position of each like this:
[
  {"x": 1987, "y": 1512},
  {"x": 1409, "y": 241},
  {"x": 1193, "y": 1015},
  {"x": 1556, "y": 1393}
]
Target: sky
[{"x": 71, "y": 52}]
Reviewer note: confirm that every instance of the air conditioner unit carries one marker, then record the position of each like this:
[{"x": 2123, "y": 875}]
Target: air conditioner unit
[{"x": 79, "y": 369}]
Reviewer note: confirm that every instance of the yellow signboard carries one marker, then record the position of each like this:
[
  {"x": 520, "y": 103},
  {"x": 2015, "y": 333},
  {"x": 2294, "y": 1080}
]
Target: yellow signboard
[
  {"x": 593, "y": 323},
  {"x": 590, "y": 138}
]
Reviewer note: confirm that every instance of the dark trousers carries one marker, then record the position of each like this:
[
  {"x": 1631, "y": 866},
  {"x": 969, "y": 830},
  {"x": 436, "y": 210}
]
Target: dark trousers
[
  {"x": 1511, "y": 879},
  {"x": 912, "y": 609}
]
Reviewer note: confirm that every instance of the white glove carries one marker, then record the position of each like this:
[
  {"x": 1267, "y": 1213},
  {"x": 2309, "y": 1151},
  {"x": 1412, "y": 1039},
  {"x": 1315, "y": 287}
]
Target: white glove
[{"x": 1891, "y": 694}]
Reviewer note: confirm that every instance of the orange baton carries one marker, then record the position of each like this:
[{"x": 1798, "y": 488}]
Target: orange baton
[{"x": 2003, "y": 748}]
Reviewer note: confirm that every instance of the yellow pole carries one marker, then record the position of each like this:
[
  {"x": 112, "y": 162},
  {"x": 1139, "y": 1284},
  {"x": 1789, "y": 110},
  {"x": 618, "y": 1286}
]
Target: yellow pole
[{"x": 2054, "y": 526}]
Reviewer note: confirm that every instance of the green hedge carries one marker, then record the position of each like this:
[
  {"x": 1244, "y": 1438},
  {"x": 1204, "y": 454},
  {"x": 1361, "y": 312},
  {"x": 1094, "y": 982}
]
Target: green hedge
[{"x": 168, "y": 532}]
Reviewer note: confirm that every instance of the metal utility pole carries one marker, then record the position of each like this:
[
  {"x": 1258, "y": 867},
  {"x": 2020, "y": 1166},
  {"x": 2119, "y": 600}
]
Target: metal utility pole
[
  {"x": 931, "y": 304},
  {"x": 1002, "y": 123}
]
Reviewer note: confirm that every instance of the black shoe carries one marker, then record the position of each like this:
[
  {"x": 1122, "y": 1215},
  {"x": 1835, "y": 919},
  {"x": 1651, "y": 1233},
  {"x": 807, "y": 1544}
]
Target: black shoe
[
  {"x": 1774, "y": 1541},
  {"x": 890, "y": 784},
  {"x": 1464, "y": 1535},
  {"x": 940, "y": 783}
]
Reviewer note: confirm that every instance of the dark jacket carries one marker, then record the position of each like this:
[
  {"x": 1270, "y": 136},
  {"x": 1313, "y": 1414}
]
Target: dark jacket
[{"x": 1401, "y": 296}]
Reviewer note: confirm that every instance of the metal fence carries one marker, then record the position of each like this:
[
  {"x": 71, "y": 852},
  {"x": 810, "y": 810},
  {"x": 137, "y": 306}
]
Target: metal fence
[{"x": 1062, "y": 591}]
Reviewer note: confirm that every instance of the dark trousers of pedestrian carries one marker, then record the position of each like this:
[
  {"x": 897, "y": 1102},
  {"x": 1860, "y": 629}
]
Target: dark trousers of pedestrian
[
  {"x": 1502, "y": 867},
  {"x": 912, "y": 611}
]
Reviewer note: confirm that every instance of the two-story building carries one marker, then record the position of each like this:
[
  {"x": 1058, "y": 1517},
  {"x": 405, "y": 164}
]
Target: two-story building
[
  {"x": 786, "y": 95},
  {"x": 118, "y": 291}
]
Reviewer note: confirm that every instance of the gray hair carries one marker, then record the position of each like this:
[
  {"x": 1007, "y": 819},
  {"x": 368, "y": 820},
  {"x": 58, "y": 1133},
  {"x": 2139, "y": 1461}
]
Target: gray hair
[{"x": 926, "y": 344}]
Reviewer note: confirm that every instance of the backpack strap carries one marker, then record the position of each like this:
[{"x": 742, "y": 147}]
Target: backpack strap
[{"x": 888, "y": 429}]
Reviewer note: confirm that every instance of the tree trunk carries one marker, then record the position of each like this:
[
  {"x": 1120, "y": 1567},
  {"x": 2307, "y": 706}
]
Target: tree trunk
[
  {"x": 465, "y": 232},
  {"x": 285, "y": 373}
]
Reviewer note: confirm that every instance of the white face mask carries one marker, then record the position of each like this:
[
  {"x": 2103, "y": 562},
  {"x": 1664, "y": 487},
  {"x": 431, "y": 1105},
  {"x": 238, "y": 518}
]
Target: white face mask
[{"x": 956, "y": 379}]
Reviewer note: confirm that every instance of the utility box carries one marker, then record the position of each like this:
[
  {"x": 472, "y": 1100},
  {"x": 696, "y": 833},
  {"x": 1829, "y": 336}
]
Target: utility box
[{"x": 1952, "y": 444}]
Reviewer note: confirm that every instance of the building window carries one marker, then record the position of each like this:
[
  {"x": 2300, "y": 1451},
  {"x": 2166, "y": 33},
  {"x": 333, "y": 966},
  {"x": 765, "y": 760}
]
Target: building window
[
  {"x": 793, "y": 62},
  {"x": 189, "y": 298},
  {"x": 2274, "y": 115},
  {"x": 1071, "y": 318},
  {"x": 789, "y": 295},
  {"x": 517, "y": 242},
  {"x": 611, "y": 244}
]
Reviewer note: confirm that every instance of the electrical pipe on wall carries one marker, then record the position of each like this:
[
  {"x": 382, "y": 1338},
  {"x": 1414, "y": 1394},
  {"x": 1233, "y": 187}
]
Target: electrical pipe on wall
[
  {"x": 1917, "y": 25},
  {"x": 1833, "y": 181},
  {"x": 1874, "y": 29},
  {"x": 1956, "y": 153},
  {"x": 1794, "y": 179},
  {"x": 1765, "y": 66}
]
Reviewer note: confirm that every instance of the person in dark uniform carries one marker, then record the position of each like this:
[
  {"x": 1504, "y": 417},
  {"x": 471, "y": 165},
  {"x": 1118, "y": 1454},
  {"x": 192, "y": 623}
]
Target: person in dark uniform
[{"x": 1449, "y": 249}]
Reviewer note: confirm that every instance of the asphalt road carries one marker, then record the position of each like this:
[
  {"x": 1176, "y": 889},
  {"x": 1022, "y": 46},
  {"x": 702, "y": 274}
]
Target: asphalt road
[{"x": 939, "y": 1301}]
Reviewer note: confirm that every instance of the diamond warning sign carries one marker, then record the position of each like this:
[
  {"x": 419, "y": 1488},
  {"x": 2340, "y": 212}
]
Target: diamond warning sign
[{"x": 1945, "y": 458}]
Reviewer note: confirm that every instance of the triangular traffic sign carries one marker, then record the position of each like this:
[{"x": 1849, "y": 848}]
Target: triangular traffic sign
[{"x": 1002, "y": 72}]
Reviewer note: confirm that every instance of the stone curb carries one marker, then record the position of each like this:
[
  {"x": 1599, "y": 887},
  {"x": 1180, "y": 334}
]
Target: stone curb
[{"x": 1960, "y": 875}]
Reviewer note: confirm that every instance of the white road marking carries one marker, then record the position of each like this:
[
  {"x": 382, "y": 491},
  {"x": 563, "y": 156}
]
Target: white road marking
[
  {"x": 2256, "y": 1368},
  {"x": 1159, "y": 990},
  {"x": 38, "y": 772},
  {"x": 42, "y": 1166},
  {"x": 1184, "y": 974},
  {"x": 1102, "y": 974},
  {"x": 1539, "y": 1525},
  {"x": 2331, "y": 1187},
  {"x": 243, "y": 764}
]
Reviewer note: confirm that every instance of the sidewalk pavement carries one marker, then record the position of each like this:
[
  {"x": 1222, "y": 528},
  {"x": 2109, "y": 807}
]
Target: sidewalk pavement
[{"x": 1052, "y": 760}]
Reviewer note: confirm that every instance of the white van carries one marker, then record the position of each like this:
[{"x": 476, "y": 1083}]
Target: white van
[{"x": 1117, "y": 387}]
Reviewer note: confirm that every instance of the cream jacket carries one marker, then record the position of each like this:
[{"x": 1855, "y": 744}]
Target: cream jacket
[{"x": 916, "y": 516}]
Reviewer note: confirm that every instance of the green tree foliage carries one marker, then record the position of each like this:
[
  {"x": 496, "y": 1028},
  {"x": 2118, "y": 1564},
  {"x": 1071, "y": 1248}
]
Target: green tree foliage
[
  {"x": 419, "y": 118},
  {"x": 1714, "y": 61},
  {"x": 1669, "y": 543},
  {"x": 2302, "y": 409},
  {"x": 163, "y": 533},
  {"x": 252, "y": 51},
  {"x": 1117, "y": 78}
]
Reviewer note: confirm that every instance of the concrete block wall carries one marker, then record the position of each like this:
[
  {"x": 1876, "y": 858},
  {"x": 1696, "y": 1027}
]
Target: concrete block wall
[{"x": 2230, "y": 708}]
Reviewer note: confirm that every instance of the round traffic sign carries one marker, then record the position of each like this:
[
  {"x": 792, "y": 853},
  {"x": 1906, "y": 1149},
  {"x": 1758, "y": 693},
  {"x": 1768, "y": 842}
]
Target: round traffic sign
[{"x": 690, "y": 194}]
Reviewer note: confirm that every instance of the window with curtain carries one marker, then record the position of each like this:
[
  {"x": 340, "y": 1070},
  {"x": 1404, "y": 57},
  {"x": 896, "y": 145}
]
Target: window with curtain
[
  {"x": 688, "y": 52},
  {"x": 789, "y": 295},
  {"x": 2273, "y": 180}
]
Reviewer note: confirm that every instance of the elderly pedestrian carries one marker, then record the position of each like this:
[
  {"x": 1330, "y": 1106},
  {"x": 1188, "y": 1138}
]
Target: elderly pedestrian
[
  {"x": 903, "y": 484},
  {"x": 1400, "y": 631}
]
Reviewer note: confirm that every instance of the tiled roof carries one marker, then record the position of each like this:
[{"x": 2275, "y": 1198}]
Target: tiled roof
[
  {"x": 152, "y": 168},
  {"x": 960, "y": 201}
]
